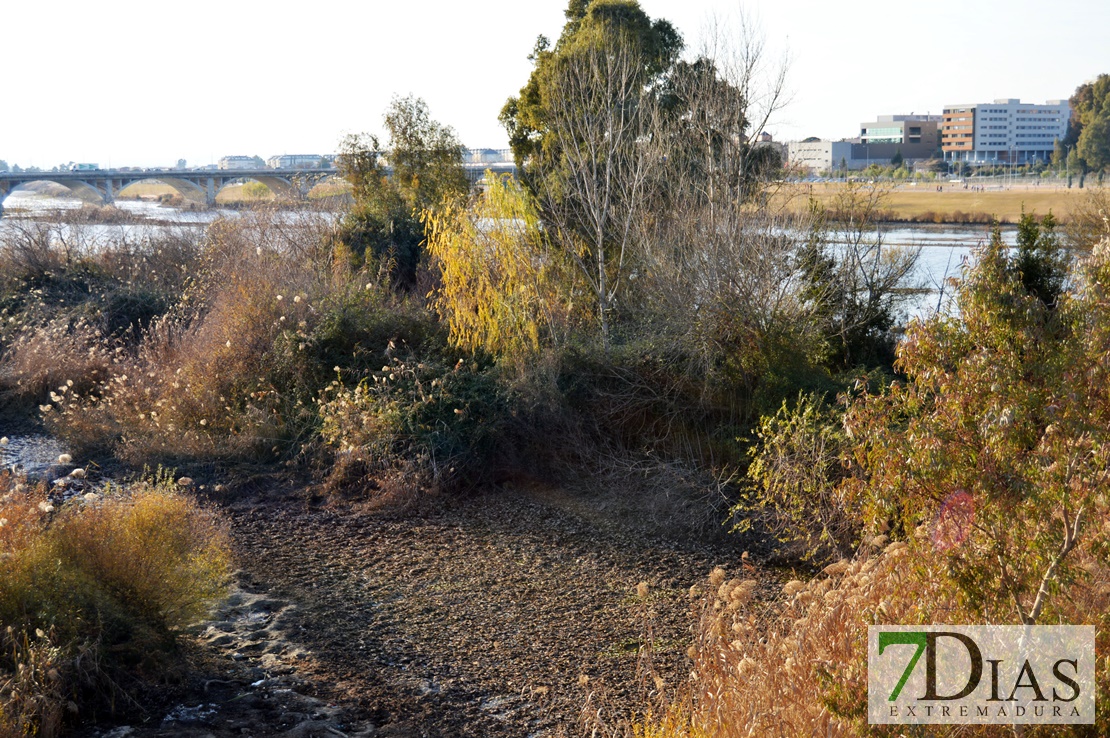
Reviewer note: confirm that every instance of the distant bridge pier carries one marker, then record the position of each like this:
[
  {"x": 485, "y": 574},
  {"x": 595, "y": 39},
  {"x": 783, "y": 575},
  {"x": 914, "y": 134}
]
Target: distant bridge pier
[{"x": 210, "y": 191}]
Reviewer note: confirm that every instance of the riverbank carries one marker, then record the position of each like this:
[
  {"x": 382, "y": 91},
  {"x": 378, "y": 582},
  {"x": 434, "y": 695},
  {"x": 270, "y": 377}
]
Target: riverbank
[{"x": 955, "y": 203}]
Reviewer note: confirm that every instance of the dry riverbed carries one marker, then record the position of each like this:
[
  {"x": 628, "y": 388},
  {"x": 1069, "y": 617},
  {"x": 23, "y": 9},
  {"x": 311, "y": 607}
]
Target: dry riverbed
[{"x": 498, "y": 615}]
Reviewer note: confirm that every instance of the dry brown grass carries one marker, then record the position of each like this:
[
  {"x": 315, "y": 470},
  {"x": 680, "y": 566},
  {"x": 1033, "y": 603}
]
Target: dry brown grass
[
  {"x": 232, "y": 371},
  {"x": 92, "y": 592},
  {"x": 794, "y": 662},
  {"x": 71, "y": 316},
  {"x": 924, "y": 204},
  {"x": 42, "y": 362},
  {"x": 197, "y": 386}
]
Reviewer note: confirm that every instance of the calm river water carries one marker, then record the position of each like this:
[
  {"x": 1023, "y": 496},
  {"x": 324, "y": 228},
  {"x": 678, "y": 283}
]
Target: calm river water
[{"x": 944, "y": 249}]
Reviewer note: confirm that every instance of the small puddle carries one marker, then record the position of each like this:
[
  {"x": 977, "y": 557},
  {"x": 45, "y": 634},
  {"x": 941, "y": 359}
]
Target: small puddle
[
  {"x": 40, "y": 458},
  {"x": 35, "y": 456}
]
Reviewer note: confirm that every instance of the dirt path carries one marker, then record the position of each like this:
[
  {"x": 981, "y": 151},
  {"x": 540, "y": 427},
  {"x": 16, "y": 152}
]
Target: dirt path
[{"x": 501, "y": 615}]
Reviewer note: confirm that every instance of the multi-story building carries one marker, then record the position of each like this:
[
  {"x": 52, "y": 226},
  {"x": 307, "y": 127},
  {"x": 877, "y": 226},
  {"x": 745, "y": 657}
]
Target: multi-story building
[
  {"x": 295, "y": 161},
  {"x": 1004, "y": 131},
  {"x": 913, "y": 136},
  {"x": 828, "y": 157},
  {"x": 819, "y": 156},
  {"x": 239, "y": 162}
]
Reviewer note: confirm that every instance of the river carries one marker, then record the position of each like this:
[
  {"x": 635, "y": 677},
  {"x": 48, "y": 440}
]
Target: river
[
  {"x": 944, "y": 250},
  {"x": 943, "y": 247}
]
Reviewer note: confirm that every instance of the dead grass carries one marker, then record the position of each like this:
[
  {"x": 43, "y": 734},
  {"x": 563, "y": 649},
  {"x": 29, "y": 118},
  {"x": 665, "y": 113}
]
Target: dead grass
[
  {"x": 954, "y": 204},
  {"x": 232, "y": 371},
  {"x": 70, "y": 314},
  {"x": 793, "y": 662},
  {"x": 198, "y": 385},
  {"x": 44, "y": 361},
  {"x": 92, "y": 592}
]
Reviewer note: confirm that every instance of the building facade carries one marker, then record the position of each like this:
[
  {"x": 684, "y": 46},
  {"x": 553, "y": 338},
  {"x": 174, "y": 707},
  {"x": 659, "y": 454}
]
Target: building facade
[
  {"x": 239, "y": 162},
  {"x": 295, "y": 161},
  {"x": 831, "y": 157},
  {"x": 1005, "y": 131},
  {"x": 912, "y": 136},
  {"x": 818, "y": 156}
]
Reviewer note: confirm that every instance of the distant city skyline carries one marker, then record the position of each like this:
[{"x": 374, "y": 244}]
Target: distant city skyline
[{"x": 120, "y": 84}]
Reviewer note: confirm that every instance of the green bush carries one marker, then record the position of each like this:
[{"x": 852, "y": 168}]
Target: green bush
[
  {"x": 794, "y": 474},
  {"x": 436, "y": 423}
]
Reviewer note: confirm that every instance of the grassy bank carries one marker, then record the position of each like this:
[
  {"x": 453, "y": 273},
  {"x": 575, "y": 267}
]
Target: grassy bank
[{"x": 952, "y": 203}]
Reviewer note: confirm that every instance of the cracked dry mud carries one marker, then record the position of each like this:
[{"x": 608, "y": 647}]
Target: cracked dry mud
[{"x": 500, "y": 615}]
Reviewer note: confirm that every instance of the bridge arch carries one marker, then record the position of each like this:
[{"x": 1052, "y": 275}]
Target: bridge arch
[
  {"x": 81, "y": 190},
  {"x": 329, "y": 185},
  {"x": 183, "y": 187},
  {"x": 280, "y": 186}
]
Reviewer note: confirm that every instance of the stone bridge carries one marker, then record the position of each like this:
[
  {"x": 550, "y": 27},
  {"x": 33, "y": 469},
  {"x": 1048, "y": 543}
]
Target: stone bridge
[
  {"x": 197, "y": 184},
  {"x": 202, "y": 185}
]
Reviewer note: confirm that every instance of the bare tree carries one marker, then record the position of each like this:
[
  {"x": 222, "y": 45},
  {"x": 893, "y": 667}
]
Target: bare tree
[
  {"x": 718, "y": 259},
  {"x": 597, "y": 112},
  {"x": 856, "y": 282}
]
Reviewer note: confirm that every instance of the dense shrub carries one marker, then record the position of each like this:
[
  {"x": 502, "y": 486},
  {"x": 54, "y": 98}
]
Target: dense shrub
[
  {"x": 988, "y": 463},
  {"x": 435, "y": 423},
  {"x": 797, "y": 465},
  {"x": 92, "y": 593},
  {"x": 233, "y": 371},
  {"x": 71, "y": 313}
]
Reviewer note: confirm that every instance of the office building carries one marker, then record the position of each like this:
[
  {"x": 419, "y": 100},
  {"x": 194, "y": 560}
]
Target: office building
[
  {"x": 912, "y": 136},
  {"x": 1005, "y": 131}
]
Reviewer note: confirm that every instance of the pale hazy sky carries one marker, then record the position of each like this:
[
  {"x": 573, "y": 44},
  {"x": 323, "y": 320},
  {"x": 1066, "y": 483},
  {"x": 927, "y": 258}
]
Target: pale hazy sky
[{"x": 124, "y": 82}]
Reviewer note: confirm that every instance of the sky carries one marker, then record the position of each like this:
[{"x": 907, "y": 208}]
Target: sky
[{"x": 130, "y": 83}]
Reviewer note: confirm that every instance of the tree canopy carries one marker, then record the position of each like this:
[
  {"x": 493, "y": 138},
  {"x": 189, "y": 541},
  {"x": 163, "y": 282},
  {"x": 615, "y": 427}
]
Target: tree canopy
[
  {"x": 426, "y": 162},
  {"x": 590, "y": 25},
  {"x": 1090, "y": 123},
  {"x": 618, "y": 140}
]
